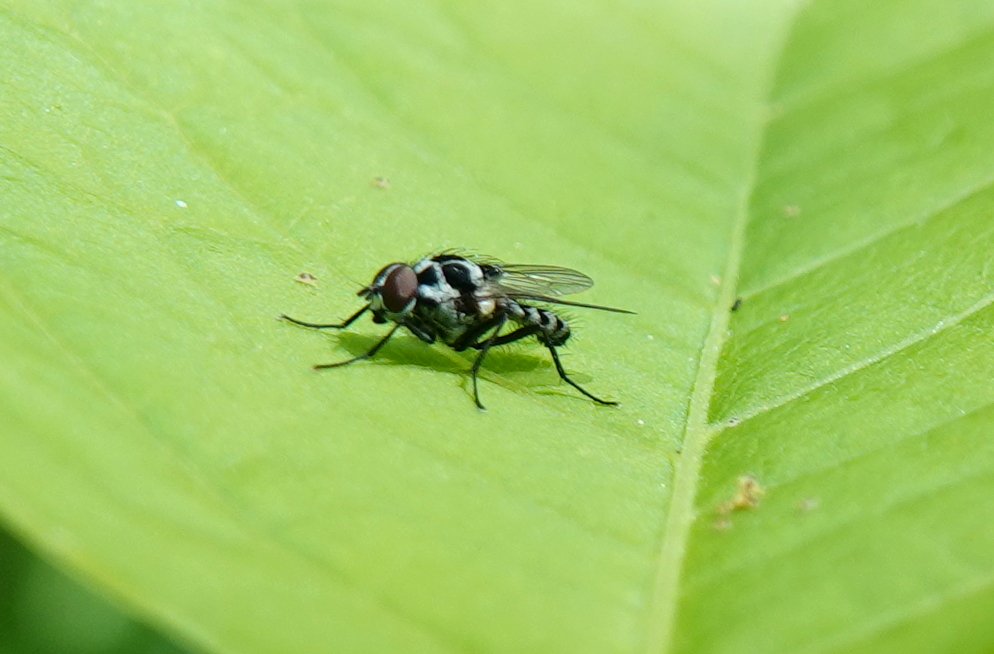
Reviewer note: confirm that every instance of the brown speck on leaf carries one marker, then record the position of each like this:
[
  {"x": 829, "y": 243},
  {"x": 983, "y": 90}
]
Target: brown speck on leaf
[
  {"x": 746, "y": 496},
  {"x": 381, "y": 182},
  {"x": 809, "y": 504},
  {"x": 307, "y": 278},
  {"x": 736, "y": 304},
  {"x": 791, "y": 211},
  {"x": 716, "y": 280}
]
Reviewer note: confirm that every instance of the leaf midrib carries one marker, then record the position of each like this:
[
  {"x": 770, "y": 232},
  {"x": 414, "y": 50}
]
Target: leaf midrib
[
  {"x": 662, "y": 613},
  {"x": 665, "y": 594}
]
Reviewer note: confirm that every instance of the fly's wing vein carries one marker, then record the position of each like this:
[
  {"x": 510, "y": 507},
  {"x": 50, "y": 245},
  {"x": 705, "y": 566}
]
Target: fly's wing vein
[{"x": 537, "y": 280}]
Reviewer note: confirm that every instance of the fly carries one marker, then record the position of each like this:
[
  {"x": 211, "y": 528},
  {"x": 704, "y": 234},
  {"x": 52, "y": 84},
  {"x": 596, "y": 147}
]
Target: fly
[{"x": 465, "y": 302}]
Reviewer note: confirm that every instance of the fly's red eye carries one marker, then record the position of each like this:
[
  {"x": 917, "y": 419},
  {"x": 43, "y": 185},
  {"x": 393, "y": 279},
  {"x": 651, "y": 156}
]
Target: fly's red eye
[{"x": 399, "y": 288}]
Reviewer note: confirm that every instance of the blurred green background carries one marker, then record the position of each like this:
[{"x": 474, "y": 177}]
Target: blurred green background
[{"x": 44, "y": 611}]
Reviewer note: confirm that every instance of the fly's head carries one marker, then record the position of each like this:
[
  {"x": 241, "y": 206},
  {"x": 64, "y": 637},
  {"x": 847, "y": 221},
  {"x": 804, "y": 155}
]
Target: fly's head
[{"x": 393, "y": 293}]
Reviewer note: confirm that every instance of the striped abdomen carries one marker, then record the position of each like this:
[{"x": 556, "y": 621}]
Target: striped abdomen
[{"x": 553, "y": 330}]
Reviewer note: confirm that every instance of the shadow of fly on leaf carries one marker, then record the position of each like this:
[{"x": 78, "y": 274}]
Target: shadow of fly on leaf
[{"x": 466, "y": 302}]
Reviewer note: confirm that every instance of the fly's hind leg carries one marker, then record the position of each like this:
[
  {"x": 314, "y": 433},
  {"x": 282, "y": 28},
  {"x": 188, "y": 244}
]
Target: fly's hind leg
[
  {"x": 565, "y": 378},
  {"x": 516, "y": 335}
]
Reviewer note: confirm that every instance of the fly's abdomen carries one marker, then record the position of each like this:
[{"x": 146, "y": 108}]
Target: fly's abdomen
[{"x": 553, "y": 330}]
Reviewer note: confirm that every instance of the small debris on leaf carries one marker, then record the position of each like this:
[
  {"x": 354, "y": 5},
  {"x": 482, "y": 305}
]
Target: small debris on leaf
[
  {"x": 307, "y": 278},
  {"x": 747, "y": 495}
]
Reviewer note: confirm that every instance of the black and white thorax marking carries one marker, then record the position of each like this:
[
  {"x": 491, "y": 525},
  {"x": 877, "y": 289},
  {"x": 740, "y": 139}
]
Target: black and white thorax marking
[{"x": 465, "y": 302}]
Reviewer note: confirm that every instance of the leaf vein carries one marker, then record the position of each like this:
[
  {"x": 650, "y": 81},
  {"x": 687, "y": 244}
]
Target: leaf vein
[
  {"x": 855, "y": 367},
  {"x": 880, "y": 508},
  {"x": 923, "y": 607},
  {"x": 982, "y": 186}
]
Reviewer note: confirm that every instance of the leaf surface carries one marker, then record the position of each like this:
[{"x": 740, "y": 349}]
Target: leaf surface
[{"x": 168, "y": 169}]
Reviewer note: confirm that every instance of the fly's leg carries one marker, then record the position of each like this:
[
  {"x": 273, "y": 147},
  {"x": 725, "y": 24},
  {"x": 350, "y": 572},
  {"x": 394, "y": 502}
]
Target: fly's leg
[
  {"x": 422, "y": 331},
  {"x": 565, "y": 378},
  {"x": 466, "y": 340},
  {"x": 367, "y": 355},
  {"x": 484, "y": 347},
  {"x": 523, "y": 332},
  {"x": 517, "y": 334},
  {"x": 342, "y": 325}
]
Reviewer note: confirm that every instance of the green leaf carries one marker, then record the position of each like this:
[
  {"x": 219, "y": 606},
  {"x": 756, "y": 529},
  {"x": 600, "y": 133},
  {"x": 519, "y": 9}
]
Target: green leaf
[{"x": 167, "y": 169}]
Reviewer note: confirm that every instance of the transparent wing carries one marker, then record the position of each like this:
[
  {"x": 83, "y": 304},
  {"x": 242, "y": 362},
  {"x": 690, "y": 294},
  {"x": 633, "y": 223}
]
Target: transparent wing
[{"x": 526, "y": 280}]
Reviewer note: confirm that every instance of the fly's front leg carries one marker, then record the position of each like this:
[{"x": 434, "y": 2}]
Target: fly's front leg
[
  {"x": 423, "y": 332},
  {"x": 342, "y": 325},
  {"x": 367, "y": 355}
]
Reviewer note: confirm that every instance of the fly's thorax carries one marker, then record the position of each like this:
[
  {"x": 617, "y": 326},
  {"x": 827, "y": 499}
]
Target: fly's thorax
[
  {"x": 459, "y": 272},
  {"x": 451, "y": 274},
  {"x": 453, "y": 291},
  {"x": 433, "y": 289}
]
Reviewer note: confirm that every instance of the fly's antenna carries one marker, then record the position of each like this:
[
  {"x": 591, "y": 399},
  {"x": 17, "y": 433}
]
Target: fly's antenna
[{"x": 352, "y": 281}]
